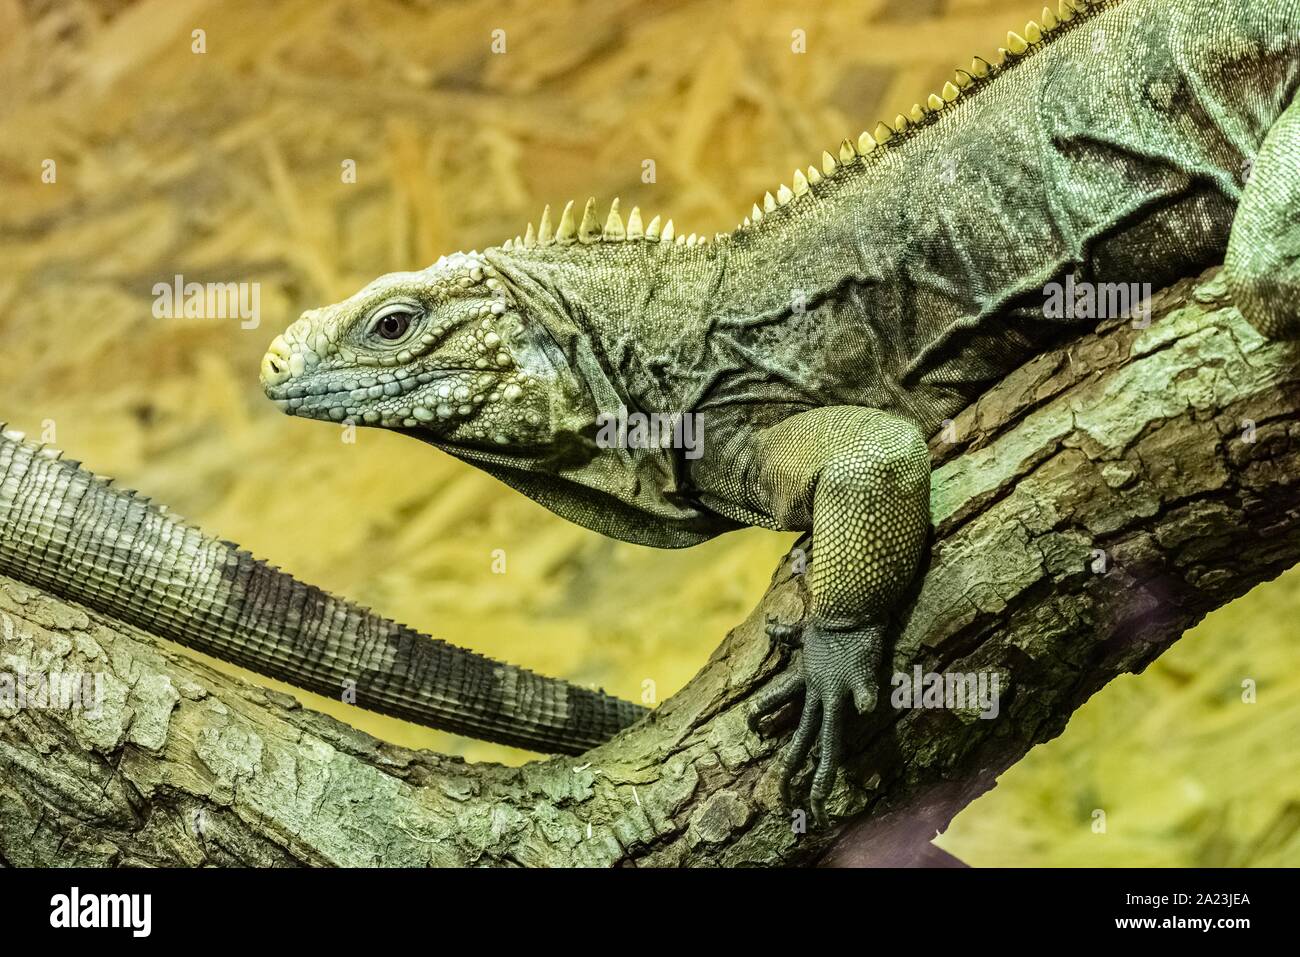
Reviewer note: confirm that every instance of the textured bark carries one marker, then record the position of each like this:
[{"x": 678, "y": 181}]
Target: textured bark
[{"x": 1095, "y": 505}]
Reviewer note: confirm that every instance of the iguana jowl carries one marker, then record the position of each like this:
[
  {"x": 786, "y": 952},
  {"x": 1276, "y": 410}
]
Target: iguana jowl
[{"x": 824, "y": 339}]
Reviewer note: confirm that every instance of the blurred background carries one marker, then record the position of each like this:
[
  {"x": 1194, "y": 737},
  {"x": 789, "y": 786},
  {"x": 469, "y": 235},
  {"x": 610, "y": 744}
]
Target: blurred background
[{"x": 221, "y": 155}]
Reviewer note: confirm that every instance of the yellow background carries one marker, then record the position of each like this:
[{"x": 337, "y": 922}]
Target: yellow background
[{"x": 226, "y": 166}]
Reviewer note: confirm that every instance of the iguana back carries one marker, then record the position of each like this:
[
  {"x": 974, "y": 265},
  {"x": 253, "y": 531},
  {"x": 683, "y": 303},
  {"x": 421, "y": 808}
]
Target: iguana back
[{"x": 1114, "y": 151}]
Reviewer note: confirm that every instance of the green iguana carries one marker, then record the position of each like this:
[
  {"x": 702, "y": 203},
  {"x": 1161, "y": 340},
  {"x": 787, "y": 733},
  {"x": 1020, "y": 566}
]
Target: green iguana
[{"x": 821, "y": 342}]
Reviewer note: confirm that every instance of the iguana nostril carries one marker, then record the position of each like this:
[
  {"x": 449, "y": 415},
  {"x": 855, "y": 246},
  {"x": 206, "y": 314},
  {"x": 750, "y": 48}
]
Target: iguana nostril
[
  {"x": 278, "y": 363},
  {"x": 275, "y": 369}
]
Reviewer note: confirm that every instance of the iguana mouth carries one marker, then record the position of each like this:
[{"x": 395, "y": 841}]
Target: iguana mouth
[
  {"x": 294, "y": 394},
  {"x": 436, "y": 401},
  {"x": 379, "y": 385}
]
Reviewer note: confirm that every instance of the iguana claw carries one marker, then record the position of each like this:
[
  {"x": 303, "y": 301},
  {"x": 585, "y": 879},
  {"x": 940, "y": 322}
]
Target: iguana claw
[{"x": 834, "y": 665}]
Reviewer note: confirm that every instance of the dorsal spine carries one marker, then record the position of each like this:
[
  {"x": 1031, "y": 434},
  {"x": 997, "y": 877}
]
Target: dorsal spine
[{"x": 863, "y": 149}]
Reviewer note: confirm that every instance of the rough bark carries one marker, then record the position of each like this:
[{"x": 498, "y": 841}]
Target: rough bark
[{"x": 1088, "y": 510}]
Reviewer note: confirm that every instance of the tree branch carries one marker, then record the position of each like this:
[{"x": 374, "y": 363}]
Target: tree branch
[{"x": 1096, "y": 504}]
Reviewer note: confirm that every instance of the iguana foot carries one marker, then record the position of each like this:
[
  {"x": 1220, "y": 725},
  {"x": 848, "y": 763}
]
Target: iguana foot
[{"x": 836, "y": 664}]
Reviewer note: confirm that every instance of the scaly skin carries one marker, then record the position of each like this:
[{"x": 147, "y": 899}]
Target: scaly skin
[
  {"x": 71, "y": 533},
  {"x": 824, "y": 339}
]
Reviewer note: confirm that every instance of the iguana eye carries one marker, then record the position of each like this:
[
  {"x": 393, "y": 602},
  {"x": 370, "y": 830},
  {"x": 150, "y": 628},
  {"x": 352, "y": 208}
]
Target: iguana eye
[
  {"x": 394, "y": 325},
  {"x": 392, "y": 322}
]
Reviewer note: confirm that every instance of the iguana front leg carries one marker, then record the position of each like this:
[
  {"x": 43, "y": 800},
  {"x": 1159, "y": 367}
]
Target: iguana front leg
[
  {"x": 860, "y": 480},
  {"x": 1263, "y": 261}
]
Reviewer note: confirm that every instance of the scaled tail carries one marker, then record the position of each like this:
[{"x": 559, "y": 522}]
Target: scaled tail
[{"x": 69, "y": 532}]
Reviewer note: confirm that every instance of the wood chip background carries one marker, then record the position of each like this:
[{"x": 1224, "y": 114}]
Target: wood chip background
[{"x": 226, "y": 165}]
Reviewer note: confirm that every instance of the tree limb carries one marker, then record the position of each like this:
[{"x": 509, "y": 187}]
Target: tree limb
[{"x": 1095, "y": 504}]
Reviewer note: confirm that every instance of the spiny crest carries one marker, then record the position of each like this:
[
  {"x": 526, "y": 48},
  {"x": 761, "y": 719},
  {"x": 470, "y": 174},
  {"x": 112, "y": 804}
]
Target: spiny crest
[
  {"x": 50, "y": 452},
  {"x": 106, "y": 481},
  {"x": 589, "y": 229},
  {"x": 964, "y": 81}
]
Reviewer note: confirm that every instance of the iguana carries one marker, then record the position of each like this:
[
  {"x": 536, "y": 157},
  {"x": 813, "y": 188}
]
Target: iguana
[
  {"x": 72, "y": 533},
  {"x": 828, "y": 336}
]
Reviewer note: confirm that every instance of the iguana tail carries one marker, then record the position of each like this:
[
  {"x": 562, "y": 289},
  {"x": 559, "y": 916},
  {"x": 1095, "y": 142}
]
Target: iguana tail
[{"x": 71, "y": 533}]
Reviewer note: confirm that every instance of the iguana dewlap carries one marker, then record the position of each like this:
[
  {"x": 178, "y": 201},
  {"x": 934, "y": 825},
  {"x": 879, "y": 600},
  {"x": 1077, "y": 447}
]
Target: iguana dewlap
[{"x": 825, "y": 338}]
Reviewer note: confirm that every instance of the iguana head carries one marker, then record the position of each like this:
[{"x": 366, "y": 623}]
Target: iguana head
[
  {"x": 477, "y": 350},
  {"x": 445, "y": 351}
]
